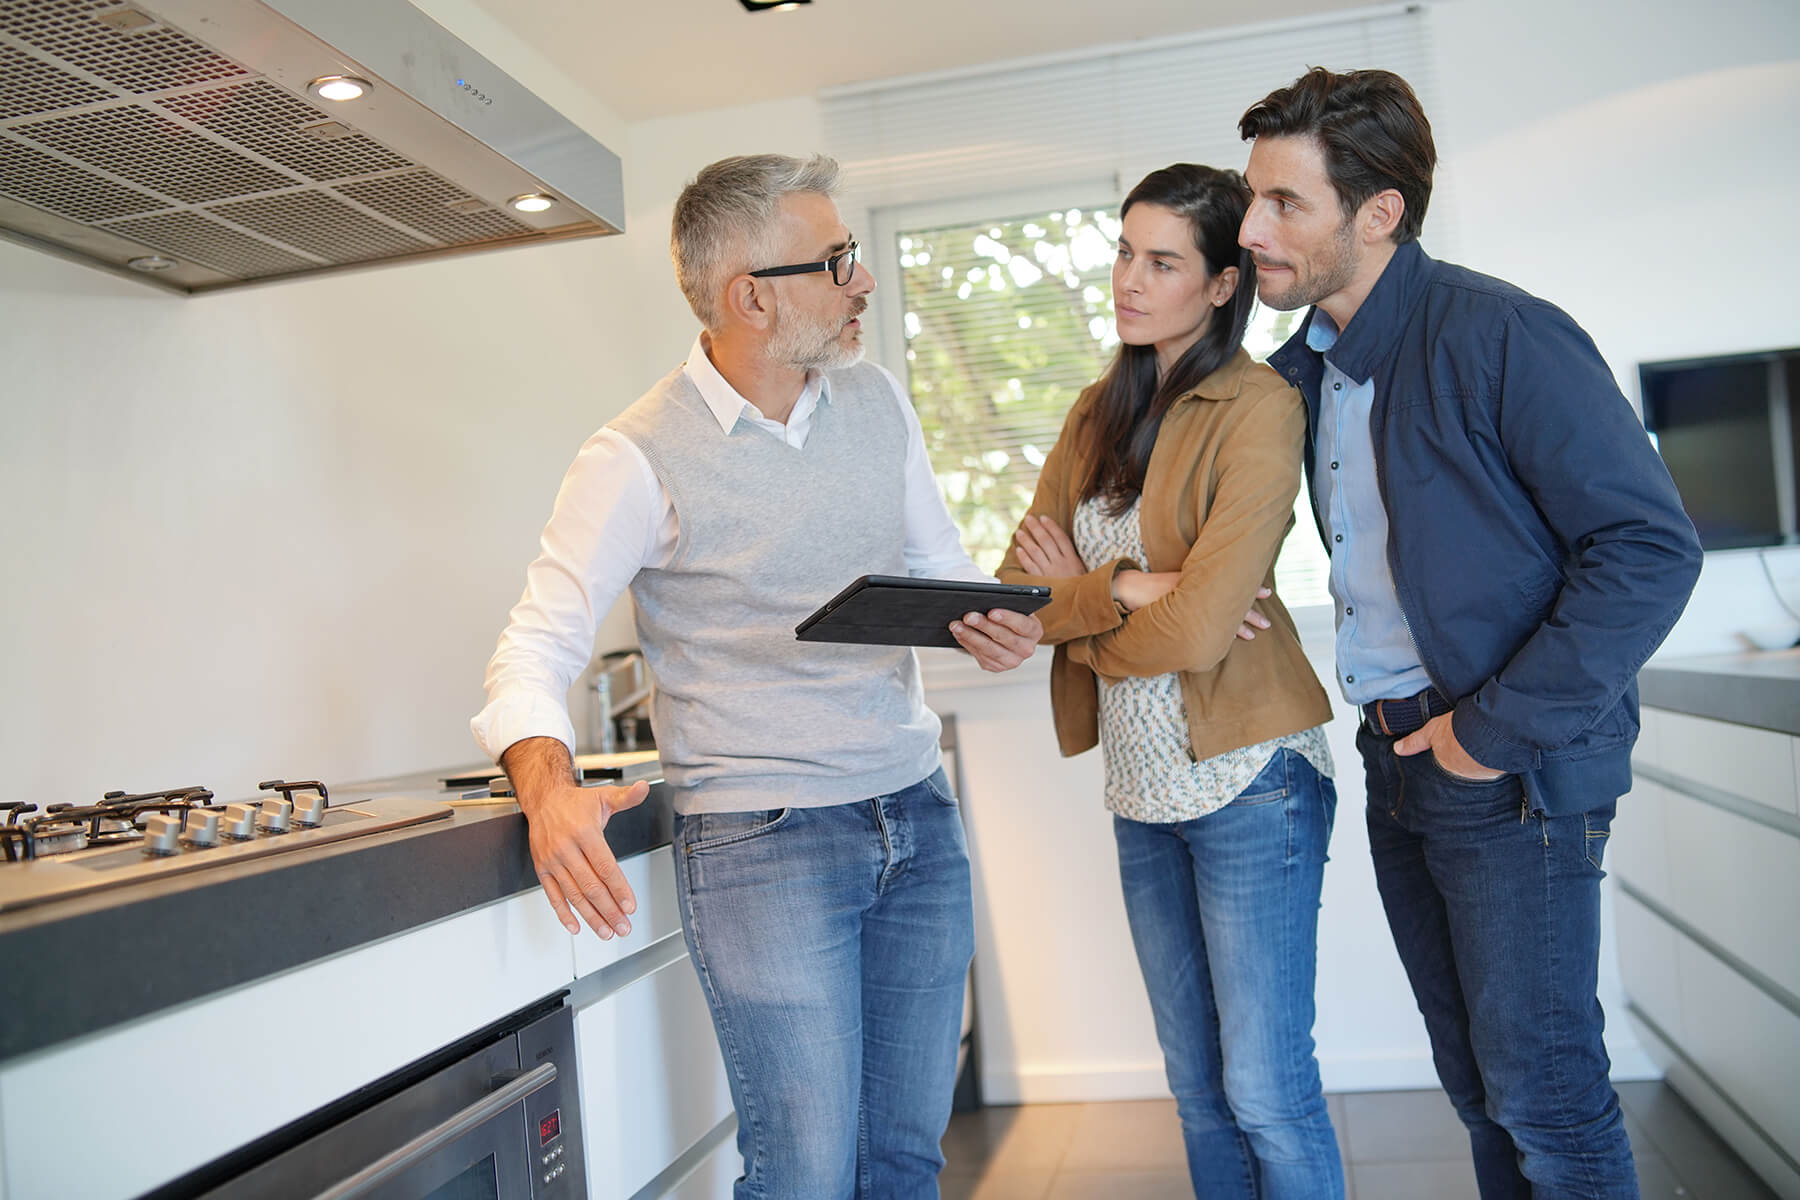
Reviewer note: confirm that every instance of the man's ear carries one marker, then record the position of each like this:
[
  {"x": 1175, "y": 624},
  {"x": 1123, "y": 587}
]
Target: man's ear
[
  {"x": 1381, "y": 214},
  {"x": 750, "y": 302}
]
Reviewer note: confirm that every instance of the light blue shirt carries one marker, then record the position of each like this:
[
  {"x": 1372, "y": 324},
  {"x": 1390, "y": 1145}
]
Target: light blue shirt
[{"x": 1376, "y": 658}]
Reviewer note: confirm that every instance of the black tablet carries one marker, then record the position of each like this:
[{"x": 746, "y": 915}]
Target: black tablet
[{"x": 892, "y": 610}]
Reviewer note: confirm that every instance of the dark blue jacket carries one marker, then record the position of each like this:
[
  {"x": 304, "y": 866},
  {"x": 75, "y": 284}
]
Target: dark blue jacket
[{"x": 1539, "y": 548}]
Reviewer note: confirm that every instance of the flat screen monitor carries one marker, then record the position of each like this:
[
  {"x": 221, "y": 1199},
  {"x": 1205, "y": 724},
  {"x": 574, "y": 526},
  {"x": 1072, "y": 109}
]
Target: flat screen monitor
[{"x": 1729, "y": 429}]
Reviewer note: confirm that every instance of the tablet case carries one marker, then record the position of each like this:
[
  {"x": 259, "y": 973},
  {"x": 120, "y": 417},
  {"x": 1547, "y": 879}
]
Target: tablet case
[{"x": 894, "y": 610}]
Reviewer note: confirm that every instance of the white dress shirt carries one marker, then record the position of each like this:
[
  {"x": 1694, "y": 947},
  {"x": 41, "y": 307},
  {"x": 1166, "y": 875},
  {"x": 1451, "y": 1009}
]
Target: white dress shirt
[{"x": 613, "y": 519}]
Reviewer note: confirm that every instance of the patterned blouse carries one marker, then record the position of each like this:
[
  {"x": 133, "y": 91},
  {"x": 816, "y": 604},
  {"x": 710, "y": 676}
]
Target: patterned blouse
[{"x": 1151, "y": 772}]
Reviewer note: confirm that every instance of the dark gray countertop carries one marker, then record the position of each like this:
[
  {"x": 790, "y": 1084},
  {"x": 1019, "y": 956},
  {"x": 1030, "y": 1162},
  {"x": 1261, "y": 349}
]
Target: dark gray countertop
[
  {"x": 1760, "y": 688},
  {"x": 80, "y": 965}
]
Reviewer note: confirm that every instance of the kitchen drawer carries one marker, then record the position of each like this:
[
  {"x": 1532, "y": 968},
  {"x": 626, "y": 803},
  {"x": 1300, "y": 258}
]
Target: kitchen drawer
[
  {"x": 652, "y": 1080},
  {"x": 1736, "y": 882},
  {"x": 652, "y": 878},
  {"x": 712, "y": 1179},
  {"x": 1648, "y": 964},
  {"x": 1756, "y": 764}
]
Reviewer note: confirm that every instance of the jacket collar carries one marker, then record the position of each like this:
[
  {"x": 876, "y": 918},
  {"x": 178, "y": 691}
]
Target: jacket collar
[
  {"x": 1377, "y": 325},
  {"x": 1226, "y": 382}
]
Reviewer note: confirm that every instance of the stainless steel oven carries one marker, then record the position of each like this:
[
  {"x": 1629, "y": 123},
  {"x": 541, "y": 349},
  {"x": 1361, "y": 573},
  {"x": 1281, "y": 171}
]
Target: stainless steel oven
[{"x": 493, "y": 1118}]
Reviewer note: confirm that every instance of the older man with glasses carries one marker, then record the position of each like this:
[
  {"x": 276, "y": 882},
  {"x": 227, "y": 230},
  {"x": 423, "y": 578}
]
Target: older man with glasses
[{"x": 820, "y": 860}]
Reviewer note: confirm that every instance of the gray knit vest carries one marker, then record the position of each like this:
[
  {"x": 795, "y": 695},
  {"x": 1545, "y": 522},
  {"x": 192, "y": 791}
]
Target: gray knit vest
[{"x": 746, "y": 716}]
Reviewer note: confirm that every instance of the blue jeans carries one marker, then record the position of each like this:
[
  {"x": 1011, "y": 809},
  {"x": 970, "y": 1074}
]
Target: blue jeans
[
  {"x": 1495, "y": 910},
  {"x": 832, "y": 944},
  {"x": 1224, "y": 912}
]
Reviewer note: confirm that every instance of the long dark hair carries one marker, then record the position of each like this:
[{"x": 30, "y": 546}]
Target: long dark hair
[{"x": 1122, "y": 424}]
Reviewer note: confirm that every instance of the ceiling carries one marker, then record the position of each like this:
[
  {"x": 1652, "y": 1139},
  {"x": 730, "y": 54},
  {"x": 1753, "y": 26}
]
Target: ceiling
[{"x": 654, "y": 58}]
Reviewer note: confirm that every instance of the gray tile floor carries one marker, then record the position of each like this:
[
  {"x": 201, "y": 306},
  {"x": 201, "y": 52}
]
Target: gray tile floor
[{"x": 1396, "y": 1146}]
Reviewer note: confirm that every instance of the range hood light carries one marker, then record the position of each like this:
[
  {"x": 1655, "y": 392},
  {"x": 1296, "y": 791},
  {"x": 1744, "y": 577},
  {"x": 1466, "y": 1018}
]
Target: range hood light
[
  {"x": 532, "y": 202},
  {"x": 150, "y": 262},
  {"x": 338, "y": 87}
]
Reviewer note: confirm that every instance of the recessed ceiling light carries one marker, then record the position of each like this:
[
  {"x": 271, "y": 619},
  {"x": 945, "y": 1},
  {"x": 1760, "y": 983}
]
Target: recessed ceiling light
[
  {"x": 338, "y": 87},
  {"x": 150, "y": 262},
  {"x": 772, "y": 5},
  {"x": 532, "y": 202}
]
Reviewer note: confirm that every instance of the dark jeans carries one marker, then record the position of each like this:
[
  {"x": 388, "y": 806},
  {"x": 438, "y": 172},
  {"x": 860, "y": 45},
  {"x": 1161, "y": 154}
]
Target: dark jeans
[{"x": 1495, "y": 910}]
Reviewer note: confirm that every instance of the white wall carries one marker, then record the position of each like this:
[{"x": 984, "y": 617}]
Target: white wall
[
  {"x": 1633, "y": 161},
  {"x": 276, "y": 531}
]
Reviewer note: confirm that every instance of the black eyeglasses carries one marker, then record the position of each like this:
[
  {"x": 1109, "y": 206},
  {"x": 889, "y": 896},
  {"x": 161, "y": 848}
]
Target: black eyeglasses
[{"x": 842, "y": 266}]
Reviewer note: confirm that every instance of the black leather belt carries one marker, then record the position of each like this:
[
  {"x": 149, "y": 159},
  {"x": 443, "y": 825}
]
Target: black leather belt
[{"x": 1397, "y": 718}]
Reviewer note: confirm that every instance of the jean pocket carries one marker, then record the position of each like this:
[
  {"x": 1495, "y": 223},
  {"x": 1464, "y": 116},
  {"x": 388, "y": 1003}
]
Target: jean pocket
[
  {"x": 938, "y": 784},
  {"x": 714, "y": 831},
  {"x": 1271, "y": 783},
  {"x": 1443, "y": 772},
  {"x": 1596, "y": 832}
]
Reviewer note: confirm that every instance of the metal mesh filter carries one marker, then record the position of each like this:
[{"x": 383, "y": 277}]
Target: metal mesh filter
[
  {"x": 261, "y": 117},
  {"x": 319, "y": 224},
  {"x": 184, "y": 164},
  {"x": 422, "y": 201},
  {"x": 187, "y": 235},
  {"x": 37, "y": 179},
  {"x": 146, "y": 61},
  {"x": 29, "y": 86}
]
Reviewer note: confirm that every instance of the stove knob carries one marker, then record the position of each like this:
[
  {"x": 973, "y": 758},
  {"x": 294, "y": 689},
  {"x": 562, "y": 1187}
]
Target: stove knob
[
  {"x": 309, "y": 811},
  {"x": 162, "y": 834},
  {"x": 240, "y": 821},
  {"x": 202, "y": 827},
  {"x": 276, "y": 815}
]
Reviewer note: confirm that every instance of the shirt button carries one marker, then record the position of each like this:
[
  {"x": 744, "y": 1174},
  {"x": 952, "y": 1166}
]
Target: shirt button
[
  {"x": 1349, "y": 679},
  {"x": 1337, "y": 537},
  {"x": 1337, "y": 387},
  {"x": 1348, "y": 611},
  {"x": 1334, "y": 464}
]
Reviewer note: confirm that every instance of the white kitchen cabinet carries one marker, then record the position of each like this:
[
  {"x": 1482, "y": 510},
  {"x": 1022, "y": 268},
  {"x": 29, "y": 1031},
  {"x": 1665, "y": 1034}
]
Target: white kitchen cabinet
[
  {"x": 1706, "y": 856},
  {"x": 653, "y": 1085},
  {"x": 180, "y": 1088}
]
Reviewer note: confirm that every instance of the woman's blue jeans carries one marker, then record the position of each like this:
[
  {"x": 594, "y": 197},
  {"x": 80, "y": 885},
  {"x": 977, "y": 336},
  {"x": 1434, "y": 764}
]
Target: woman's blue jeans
[
  {"x": 1224, "y": 912},
  {"x": 832, "y": 945}
]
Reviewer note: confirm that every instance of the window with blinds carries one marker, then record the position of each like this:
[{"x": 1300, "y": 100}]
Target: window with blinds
[
  {"x": 1005, "y": 308},
  {"x": 1005, "y": 321}
]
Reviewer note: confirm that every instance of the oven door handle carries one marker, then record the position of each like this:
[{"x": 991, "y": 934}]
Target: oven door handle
[{"x": 432, "y": 1140}]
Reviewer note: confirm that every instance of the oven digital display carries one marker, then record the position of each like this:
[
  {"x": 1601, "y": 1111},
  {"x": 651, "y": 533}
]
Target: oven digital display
[{"x": 550, "y": 1127}]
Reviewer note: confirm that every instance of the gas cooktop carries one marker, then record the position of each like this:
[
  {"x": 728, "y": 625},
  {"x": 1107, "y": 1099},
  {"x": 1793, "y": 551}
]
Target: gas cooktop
[{"x": 68, "y": 850}]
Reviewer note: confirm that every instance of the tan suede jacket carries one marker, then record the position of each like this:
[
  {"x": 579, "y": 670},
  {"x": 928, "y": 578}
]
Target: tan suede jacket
[{"x": 1218, "y": 499}]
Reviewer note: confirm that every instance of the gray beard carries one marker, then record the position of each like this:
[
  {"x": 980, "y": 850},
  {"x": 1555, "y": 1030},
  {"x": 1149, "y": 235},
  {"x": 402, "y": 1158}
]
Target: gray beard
[{"x": 812, "y": 346}]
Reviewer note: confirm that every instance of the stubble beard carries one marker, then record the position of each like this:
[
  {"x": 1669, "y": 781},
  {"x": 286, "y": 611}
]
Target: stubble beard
[
  {"x": 1333, "y": 276},
  {"x": 815, "y": 344}
]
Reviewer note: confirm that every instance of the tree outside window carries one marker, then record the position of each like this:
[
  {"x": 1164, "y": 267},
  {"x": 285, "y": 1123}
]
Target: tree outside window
[{"x": 1006, "y": 322}]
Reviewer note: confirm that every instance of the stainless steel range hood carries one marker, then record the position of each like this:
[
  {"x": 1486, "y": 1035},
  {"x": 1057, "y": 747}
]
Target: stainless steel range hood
[{"x": 180, "y": 135}]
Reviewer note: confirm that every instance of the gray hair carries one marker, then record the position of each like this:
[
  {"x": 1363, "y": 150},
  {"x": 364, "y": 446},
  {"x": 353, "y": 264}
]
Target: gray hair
[{"x": 725, "y": 220}]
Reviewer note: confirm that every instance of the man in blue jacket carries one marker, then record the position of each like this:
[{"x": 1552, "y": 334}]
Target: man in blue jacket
[{"x": 1506, "y": 551}]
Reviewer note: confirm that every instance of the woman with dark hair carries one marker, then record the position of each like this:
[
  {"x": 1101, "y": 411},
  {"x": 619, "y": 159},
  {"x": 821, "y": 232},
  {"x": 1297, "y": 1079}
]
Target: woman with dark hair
[{"x": 1157, "y": 519}]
